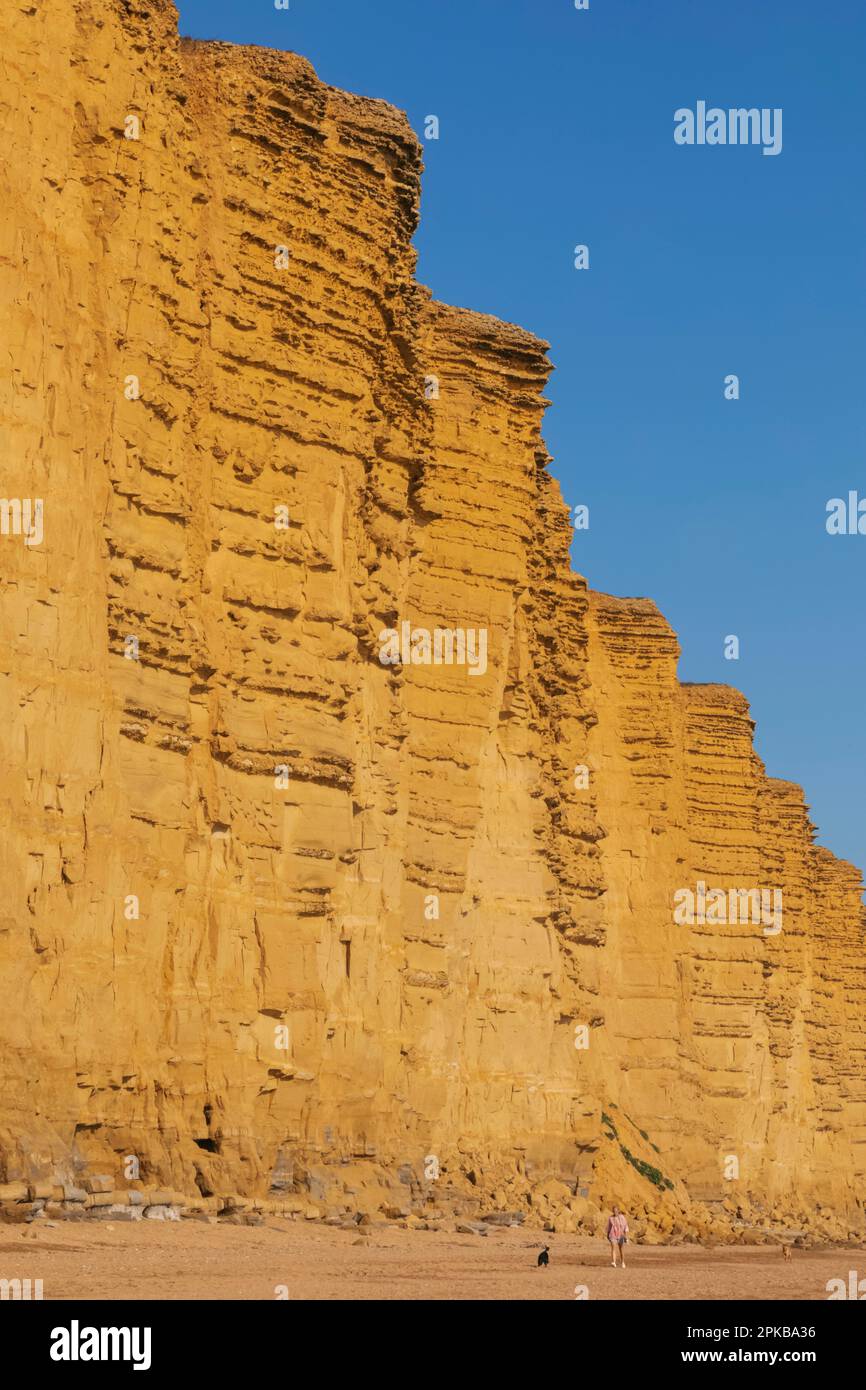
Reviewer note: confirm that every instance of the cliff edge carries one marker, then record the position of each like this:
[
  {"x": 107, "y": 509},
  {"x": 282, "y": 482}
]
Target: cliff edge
[{"x": 350, "y": 838}]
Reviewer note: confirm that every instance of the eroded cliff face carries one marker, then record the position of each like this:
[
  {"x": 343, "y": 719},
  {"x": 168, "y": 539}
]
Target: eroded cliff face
[{"x": 277, "y": 916}]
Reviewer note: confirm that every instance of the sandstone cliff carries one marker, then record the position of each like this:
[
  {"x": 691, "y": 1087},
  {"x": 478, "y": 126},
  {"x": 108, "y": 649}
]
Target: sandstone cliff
[{"x": 278, "y": 917}]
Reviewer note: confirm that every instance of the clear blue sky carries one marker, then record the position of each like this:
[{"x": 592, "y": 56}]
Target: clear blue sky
[{"x": 557, "y": 129}]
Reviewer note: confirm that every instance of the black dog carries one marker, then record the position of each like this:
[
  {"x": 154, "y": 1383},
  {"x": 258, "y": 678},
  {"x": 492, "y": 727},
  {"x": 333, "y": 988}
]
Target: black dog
[{"x": 544, "y": 1258}]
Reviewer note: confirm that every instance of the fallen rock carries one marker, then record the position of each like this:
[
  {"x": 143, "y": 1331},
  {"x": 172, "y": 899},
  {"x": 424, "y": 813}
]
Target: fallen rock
[{"x": 159, "y": 1213}]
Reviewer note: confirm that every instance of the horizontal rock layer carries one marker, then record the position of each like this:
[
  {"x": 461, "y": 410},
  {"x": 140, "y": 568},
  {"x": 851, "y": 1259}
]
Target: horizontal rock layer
[{"x": 270, "y": 903}]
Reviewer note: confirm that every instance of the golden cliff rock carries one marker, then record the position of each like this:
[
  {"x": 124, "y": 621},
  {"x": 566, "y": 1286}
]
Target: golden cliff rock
[{"x": 280, "y": 917}]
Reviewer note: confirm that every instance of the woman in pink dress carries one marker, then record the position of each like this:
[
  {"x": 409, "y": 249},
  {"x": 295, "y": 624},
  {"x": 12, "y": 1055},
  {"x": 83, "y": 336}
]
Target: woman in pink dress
[{"x": 617, "y": 1234}]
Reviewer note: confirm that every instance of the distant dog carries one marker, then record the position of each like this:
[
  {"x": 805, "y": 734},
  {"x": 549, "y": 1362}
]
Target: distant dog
[
  {"x": 544, "y": 1258},
  {"x": 786, "y": 1252}
]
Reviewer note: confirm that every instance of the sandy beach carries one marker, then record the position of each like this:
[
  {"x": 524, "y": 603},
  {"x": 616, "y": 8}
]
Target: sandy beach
[{"x": 192, "y": 1260}]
